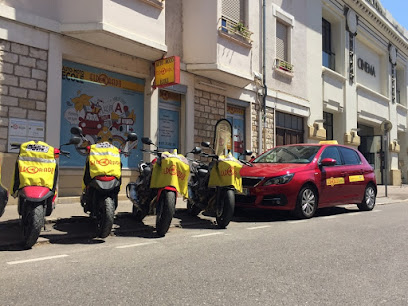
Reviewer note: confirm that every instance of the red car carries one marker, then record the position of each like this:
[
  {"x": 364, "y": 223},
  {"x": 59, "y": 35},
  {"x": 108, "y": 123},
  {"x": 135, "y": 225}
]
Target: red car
[{"x": 304, "y": 177}]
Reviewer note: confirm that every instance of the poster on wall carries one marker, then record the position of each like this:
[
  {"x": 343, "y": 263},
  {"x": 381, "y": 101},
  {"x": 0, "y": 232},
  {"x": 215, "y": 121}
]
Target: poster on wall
[
  {"x": 106, "y": 105},
  {"x": 236, "y": 116},
  {"x": 169, "y": 120}
]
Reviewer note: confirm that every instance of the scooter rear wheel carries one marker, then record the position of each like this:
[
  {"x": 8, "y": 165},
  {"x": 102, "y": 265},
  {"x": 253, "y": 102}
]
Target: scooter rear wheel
[{"x": 32, "y": 221}]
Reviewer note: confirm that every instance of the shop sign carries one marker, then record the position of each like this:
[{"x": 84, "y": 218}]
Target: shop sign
[
  {"x": 167, "y": 72},
  {"x": 363, "y": 65}
]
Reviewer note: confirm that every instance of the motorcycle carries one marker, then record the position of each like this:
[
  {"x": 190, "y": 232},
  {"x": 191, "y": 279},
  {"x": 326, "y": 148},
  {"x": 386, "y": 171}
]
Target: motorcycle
[
  {"x": 35, "y": 183},
  {"x": 101, "y": 181},
  {"x": 3, "y": 197},
  {"x": 156, "y": 188},
  {"x": 213, "y": 185}
]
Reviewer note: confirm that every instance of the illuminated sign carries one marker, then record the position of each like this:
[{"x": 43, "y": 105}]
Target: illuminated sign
[{"x": 167, "y": 71}]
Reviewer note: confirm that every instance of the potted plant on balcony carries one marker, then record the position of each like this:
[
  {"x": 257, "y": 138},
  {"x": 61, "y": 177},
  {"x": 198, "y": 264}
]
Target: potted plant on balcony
[{"x": 242, "y": 30}]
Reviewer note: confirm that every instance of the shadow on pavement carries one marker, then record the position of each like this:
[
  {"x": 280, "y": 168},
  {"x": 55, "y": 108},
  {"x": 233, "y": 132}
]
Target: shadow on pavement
[
  {"x": 258, "y": 215},
  {"x": 195, "y": 222}
]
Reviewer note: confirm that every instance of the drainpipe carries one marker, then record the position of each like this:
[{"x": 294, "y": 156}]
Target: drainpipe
[{"x": 261, "y": 124}]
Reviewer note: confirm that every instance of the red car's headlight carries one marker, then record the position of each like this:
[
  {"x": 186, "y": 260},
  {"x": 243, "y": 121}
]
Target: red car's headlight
[{"x": 279, "y": 180}]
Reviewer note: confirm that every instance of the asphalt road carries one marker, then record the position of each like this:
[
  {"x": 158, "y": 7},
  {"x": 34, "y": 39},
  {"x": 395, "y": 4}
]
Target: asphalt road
[{"x": 341, "y": 257}]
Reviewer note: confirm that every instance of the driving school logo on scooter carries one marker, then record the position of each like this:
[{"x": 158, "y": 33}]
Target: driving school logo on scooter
[
  {"x": 228, "y": 172},
  {"x": 104, "y": 162},
  {"x": 172, "y": 170},
  {"x": 34, "y": 170}
]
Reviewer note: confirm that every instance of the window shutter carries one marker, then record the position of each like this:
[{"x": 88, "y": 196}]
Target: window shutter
[
  {"x": 234, "y": 9},
  {"x": 281, "y": 41}
]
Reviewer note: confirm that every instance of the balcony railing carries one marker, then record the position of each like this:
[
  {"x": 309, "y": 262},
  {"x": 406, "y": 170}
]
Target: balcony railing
[
  {"x": 235, "y": 28},
  {"x": 283, "y": 65},
  {"x": 329, "y": 60}
]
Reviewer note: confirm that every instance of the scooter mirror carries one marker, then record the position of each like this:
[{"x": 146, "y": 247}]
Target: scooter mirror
[
  {"x": 205, "y": 144},
  {"x": 74, "y": 140},
  {"x": 248, "y": 152},
  {"x": 132, "y": 137},
  {"x": 147, "y": 141},
  {"x": 76, "y": 130},
  {"x": 196, "y": 150}
]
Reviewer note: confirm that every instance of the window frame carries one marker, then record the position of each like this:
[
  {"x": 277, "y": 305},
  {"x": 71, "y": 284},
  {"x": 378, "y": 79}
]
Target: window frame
[{"x": 288, "y": 20}]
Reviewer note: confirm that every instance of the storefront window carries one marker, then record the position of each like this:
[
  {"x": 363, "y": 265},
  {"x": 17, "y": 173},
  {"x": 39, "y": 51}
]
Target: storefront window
[
  {"x": 169, "y": 120},
  {"x": 236, "y": 116},
  {"x": 106, "y": 105}
]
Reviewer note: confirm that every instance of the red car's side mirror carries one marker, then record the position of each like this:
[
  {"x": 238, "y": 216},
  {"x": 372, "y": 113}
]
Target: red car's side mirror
[{"x": 328, "y": 162}]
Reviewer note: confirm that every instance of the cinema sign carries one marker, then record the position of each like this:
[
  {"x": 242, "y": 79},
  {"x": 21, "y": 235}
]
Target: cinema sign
[{"x": 363, "y": 65}]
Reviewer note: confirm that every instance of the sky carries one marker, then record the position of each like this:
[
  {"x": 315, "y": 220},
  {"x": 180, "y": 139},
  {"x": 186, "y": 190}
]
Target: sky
[{"x": 398, "y": 10}]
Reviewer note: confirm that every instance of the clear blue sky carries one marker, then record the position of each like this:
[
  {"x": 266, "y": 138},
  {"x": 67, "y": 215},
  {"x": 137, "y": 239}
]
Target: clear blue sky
[{"x": 398, "y": 10}]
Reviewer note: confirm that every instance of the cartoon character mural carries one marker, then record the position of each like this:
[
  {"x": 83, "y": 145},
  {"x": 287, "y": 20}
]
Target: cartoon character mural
[{"x": 104, "y": 107}]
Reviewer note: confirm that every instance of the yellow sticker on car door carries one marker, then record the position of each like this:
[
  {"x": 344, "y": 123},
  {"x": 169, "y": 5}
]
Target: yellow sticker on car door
[
  {"x": 335, "y": 181},
  {"x": 356, "y": 178}
]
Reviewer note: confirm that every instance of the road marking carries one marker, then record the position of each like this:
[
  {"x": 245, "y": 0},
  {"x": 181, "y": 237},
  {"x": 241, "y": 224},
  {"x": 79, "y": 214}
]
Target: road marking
[
  {"x": 328, "y": 217},
  {"x": 205, "y": 235},
  {"x": 258, "y": 227},
  {"x": 35, "y": 259},
  {"x": 134, "y": 245},
  {"x": 298, "y": 221},
  {"x": 377, "y": 210}
]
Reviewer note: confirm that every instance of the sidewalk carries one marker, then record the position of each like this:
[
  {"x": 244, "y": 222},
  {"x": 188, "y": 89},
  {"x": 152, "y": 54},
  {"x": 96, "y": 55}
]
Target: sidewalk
[{"x": 68, "y": 220}]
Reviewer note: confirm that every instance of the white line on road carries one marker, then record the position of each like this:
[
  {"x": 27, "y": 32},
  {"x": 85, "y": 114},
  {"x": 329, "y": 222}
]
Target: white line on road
[
  {"x": 298, "y": 221},
  {"x": 377, "y": 210},
  {"x": 205, "y": 235},
  {"x": 328, "y": 217},
  {"x": 258, "y": 227},
  {"x": 135, "y": 245},
  {"x": 36, "y": 259}
]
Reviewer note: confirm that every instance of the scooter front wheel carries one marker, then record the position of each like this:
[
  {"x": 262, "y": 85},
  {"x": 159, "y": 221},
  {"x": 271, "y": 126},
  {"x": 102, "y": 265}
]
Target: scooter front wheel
[
  {"x": 166, "y": 207},
  {"x": 32, "y": 221},
  {"x": 105, "y": 216},
  {"x": 226, "y": 208}
]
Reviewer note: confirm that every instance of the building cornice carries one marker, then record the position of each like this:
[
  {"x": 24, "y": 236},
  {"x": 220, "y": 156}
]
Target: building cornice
[{"x": 378, "y": 19}]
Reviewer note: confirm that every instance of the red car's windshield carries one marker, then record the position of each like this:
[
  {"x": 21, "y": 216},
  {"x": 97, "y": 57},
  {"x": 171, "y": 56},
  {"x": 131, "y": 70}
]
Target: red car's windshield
[{"x": 289, "y": 155}]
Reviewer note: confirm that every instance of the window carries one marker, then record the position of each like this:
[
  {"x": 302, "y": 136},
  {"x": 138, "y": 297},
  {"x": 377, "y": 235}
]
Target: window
[
  {"x": 234, "y": 10},
  {"x": 289, "y": 129},
  {"x": 236, "y": 116},
  {"x": 328, "y": 55},
  {"x": 328, "y": 125},
  {"x": 331, "y": 152},
  {"x": 350, "y": 156},
  {"x": 282, "y": 41},
  {"x": 233, "y": 19}
]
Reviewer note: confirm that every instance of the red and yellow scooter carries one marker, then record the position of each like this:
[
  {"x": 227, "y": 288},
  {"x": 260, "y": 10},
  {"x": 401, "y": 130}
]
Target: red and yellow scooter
[{"x": 35, "y": 183}]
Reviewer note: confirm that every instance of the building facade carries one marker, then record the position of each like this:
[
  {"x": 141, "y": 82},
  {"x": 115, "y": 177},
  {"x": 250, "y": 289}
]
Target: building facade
[{"x": 280, "y": 71}]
